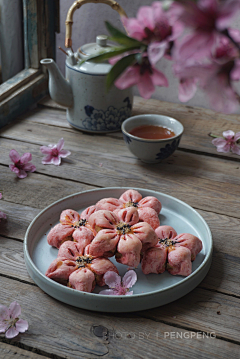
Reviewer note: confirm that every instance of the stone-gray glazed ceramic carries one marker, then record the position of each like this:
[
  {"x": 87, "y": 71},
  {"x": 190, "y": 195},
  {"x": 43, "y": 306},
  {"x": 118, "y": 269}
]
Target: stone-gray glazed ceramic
[
  {"x": 151, "y": 290},
  {"x": 152, "y": 151}
]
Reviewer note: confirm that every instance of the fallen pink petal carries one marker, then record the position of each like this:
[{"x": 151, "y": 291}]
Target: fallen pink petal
[
  {"x": 117, "y": 285},
  {"x": 21, "y": 165},
  {"x": 54, "y": 153},
  {"x": 228, "y": 143},
  {"x": 10, "y": 324}
]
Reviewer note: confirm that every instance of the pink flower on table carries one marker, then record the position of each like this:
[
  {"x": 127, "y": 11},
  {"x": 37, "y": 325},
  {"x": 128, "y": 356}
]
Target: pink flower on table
[
  {"x": 172, "y": 252},
  {"x": 117, "y": 285},
  {"x": 54, "y": 153},
  {"x": 21, "y": 165},
  {"x": 207, "y": 18},
  {"x": 148, "y": 207},
  {"x": 72, "y": 227},
  {"x": 10, "y": 324},
  {"x": 144, "y": 75},
  {"x": 121, "y": 235},
  {"x": 228, "y": 143},
  {"x": 78, "y": 271},
  {"x": 155, "y": 27}
]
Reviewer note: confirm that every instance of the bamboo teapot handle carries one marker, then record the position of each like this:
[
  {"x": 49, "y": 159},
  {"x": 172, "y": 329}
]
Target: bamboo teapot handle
[{"x": 76, "y": 5}]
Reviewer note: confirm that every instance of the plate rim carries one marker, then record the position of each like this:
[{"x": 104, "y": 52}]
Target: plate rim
[{"x": 114, "y": 297}]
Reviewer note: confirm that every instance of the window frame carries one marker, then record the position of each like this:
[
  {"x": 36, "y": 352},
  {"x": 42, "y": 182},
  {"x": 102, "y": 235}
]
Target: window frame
[{"x": 41, "y": 21}]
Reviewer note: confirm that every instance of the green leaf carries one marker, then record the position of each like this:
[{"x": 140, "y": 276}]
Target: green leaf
[
  {"x": 121, "y": 38},
  {"x": 118, "y": 69},
  {"x": 108, "y": 53}
]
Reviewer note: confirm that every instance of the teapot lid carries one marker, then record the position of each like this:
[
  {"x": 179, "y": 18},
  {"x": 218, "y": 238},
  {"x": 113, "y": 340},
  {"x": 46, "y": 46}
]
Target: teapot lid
[{"x": 91, "y": 67}]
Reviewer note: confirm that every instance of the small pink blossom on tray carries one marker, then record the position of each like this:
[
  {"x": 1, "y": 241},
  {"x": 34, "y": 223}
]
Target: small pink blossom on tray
[
  {"x": 117, "y": 285},
  {"x": 21, "y": 165},
  {"x": 229, "y": 142},
  {"x": 54, "y": 153},
  {"x": 10, "y": 324}
]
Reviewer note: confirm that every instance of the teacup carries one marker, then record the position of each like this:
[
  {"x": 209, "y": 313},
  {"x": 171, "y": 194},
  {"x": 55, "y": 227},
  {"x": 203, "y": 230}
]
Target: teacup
[{"x": 152, "y": 150}]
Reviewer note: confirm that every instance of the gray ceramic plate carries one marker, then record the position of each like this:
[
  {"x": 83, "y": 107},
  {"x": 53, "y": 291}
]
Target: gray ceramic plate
[{"x": 150, "y": 290}]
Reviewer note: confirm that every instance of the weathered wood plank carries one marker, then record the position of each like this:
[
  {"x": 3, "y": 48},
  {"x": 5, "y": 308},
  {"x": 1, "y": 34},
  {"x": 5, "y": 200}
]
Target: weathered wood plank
[
  {"x": 36, "y": 190},
  {"x": 12, "y": 262},
  {"x": 18, "y": 219},
  {"x": 79, "y": 333},
  {"x": 197, "y": 180},
  {"x": 203, "y": 309},
  {"x": 197, "y": 122},
  {"x": 10, "y": 351}
]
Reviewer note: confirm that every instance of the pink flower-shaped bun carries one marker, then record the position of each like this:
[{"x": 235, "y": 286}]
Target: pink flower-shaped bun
[
  {"x": 69, "y": 216},
  {"x": 150, "y": 216},
  {"x": 128, "y": 250},
  {"x": 165, "y": 232},
  {"x": 193, "y": 243},
  {"x": 104, "y": 244},
  {"x": 82, "y": 279},
  {"x": 173, "y": 252},
  {"x": 120, "y": 235},
  {"x": 103, "y": 219},
  {"x": 179, "y": 261},
  {"x": 71, "y": 228},
  {"x": 87, "y": 212},
  {"x": 154, "y": 260},
  {"x": 148, "y": 207},
  {"x": 59, "y": 234},
  {"x": 60, "y": 270},
  {"x": 78, "y": 271}
]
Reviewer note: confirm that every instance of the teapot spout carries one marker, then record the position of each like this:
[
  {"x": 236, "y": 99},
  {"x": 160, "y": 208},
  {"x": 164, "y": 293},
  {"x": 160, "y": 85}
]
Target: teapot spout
[{"x": 59, "y": 88}]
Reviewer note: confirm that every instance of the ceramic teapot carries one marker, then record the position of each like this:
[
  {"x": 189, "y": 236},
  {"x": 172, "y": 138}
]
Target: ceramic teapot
[{"x": 89, "y": 107}]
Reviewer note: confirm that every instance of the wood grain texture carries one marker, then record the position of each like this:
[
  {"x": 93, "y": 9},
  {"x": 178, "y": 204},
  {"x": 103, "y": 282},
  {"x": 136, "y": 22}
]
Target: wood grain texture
[
  {"x": 36, "y": 190},
  {"x": 83, "y": 334},
  {"x": 198, "y": 180},
  {"x": 10, "y": 351},
  {"x": 12, "y": 262}
]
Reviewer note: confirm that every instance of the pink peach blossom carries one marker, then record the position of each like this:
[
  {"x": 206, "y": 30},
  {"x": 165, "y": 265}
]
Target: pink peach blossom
[
  {"x": 207, "y": 19},
  {"x": 228, "y": 143},
  {"x": 10, "y": 324},
  {"x": 117, "y": 285},
  {"x": 54, "y": 153},
  {"x": 145, "y": 76},
  {"x": 21, "y": 165},
  {"x": 221, "y": 72},
  {"x": 155, "y": 27}
]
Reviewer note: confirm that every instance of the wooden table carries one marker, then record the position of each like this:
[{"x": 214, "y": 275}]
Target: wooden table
[{"x": 196, "y": 173}]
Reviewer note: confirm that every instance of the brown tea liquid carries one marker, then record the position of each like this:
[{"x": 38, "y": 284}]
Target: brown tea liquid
[{"x": 152, "y": 132}]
